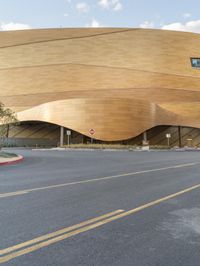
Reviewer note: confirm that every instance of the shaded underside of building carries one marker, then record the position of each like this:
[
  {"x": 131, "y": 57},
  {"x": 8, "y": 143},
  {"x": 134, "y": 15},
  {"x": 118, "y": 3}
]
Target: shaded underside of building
[{"x": 41, "y": 134}]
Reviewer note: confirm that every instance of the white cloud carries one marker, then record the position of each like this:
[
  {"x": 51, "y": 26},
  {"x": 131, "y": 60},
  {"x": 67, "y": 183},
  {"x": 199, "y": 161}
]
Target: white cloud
[
  {"x": 114, "y": 5},
  {"x": 191, "y": 26},
  {"x": 104, "y": 3},
  {"x": 187, "y": 15},
  {"x": 117, "y": 7},
  {"x": 147, "y": 24},
  {"x": 13, "y": 26},
  {"x": 82, "y": 7},
  {"x": 94, "y": 24}
]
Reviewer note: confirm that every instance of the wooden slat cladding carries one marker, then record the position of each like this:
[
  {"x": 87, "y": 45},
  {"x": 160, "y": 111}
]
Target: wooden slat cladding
[{"x": 118, "y": 81}]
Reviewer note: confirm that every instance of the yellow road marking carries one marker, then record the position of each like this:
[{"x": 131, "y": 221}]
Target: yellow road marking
[
  {"x": 87, "y": 227},
  {"x": 59, "y": 232},
  {"x": 20, "y": 192}
]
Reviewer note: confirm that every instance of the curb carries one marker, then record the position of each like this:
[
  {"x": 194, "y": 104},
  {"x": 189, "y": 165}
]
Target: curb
[{"x": 20, "y": 159}]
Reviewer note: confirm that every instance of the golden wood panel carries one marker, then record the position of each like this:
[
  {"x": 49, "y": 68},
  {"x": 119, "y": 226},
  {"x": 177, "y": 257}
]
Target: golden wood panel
[
  {"x": 118, "y": 81},
  {"x": 158, "y": 95}
]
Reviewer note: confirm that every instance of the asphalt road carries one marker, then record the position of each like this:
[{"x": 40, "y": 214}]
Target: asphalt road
[{"x": 41, "y": 198}]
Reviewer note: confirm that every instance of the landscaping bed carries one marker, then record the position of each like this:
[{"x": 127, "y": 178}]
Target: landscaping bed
[
  {"x": 7, "y": 155},
  {"x": 9, "y": 158}
]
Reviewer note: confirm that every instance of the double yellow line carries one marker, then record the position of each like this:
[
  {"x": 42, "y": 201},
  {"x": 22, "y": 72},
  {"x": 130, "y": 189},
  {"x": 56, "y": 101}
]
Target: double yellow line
[{"x": 10, "y": 253}]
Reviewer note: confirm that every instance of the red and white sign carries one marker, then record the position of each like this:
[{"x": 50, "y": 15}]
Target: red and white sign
[{"x": 91, "y": 131}]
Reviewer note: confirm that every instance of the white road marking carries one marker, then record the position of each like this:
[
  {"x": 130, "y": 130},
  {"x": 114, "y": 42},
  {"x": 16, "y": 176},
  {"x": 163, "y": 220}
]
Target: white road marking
[{"x": 21, "y": 192}]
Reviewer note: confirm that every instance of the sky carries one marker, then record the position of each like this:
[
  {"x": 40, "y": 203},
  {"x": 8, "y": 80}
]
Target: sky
[{"x": 162, "y": 14}]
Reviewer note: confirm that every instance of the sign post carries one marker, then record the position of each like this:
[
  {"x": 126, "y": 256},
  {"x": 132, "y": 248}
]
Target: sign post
[
  {"x": 68, "y": 132},
  {"x": 168, "y": 136},
  {"x": 91, "y": 131}
]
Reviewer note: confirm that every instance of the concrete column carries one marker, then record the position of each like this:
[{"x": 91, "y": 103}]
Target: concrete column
[
  {"x": 145, "y": 140},
  {"x": 179, "y": 137},
  {"x": 145, "y": 137},
  {"x": 61, "y": 136}
]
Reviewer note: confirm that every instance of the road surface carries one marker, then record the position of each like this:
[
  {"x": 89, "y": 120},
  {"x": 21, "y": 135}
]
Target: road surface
[{"x": 101, "y": 208}]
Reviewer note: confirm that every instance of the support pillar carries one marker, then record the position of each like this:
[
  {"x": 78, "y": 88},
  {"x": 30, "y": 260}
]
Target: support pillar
[
  {"x": 145, "y": 136},
  {"x": 61, "y": 136},
  {"x": 179, "y": 137},
  {"x": 145, "y": 140}
]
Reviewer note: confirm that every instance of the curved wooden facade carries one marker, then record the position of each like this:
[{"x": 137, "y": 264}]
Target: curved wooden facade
[{"x": 119, "y": 82}]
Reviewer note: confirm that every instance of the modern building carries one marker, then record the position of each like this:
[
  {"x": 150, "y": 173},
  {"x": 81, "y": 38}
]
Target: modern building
[{"x": 114, "y": 82}]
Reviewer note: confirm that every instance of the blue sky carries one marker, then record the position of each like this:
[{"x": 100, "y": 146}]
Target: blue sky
[{"x": 166, "y": 14}]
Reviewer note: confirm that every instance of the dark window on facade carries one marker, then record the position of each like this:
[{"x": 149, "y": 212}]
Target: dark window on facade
[{"x": 195, "y": 62}]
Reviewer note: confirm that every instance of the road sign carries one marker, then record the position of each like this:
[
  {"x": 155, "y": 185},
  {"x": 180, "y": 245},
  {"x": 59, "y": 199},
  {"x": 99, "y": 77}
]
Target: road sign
[
  {"x": 91, "y": 131},
  {"x": 68, "y": 132},
  {"x": 168, "y": 136}
]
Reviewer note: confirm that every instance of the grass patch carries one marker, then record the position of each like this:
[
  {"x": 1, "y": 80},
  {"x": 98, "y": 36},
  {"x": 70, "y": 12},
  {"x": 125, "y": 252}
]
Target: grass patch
[
  {"x": 113, "y": 146},
  {"x": 7, "y": 155},
  {"x": 101, "y": 146},
  {"x": 159, "y": 147}
]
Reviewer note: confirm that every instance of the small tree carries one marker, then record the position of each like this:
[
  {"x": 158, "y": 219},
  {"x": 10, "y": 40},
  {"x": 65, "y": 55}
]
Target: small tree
[{"x": 7, "y": 116}]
